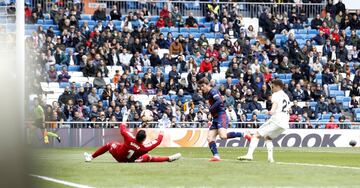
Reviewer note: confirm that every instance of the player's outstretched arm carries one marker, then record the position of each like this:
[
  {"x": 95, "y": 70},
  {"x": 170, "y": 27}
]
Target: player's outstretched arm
[{"x": 153, "y": 144}]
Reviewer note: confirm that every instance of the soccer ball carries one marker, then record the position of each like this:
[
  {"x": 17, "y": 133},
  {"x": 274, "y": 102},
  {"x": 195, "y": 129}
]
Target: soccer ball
[{"x": 352, "y": 143}]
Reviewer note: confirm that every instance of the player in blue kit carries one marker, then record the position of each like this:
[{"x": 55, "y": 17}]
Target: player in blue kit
[{"x": 220, "y": 121}]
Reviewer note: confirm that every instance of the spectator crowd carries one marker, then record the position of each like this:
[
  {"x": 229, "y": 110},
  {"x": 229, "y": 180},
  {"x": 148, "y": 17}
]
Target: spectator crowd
[{"x": 133, "y": 44}]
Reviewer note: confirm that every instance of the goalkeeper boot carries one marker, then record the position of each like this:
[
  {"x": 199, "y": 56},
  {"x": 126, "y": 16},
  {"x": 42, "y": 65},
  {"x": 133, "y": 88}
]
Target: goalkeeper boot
[
  {"x": 46, "y": 139},
  {"x": 88, "y": 157},
  {"x": 174, "y": 157}
]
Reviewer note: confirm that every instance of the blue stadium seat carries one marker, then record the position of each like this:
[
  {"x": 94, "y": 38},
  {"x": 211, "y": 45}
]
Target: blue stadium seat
[
  {"x": 64, "y": 84},
  {"x": 193, "y": 30},
  {"x": 164, "y": 29},
  {"x": 313, "y": 31},
  {"x": 339, "y": 99},
  {"x": 286, "y": 81},
  {"x": 209, "y": 35},
  {"x": 333, "y": 87},
  {"x": 154, "y": 18},
  {"x": 248, "y": 116},
  {"x": 346, "y": 99},
  {"x": 40, "y": 22},
  {"x": 196, "y": 35},
  {"x": 225, "y": 64},
  {"x": 48, "y": 22},
  {"x": 325, "y": 116},
  {"x": 357, "y": 117},
  {"x": 356, "y": 110},
  {"x": 73, "y": 68},
  {"x": 85, "y": 17},
  {"x": 262, "y": 116},
  {"x": 99, "y": 91},
  {"x": 174, "y": 29},
  {"x": 105, "y": 103},
  {"x": 221, "y": 81},
  {"x": 204, "y": 30},
  {"x": 336, "y": 93},
  {"x": 234, "y": 81},
  {"x": 192, "y": 6},
  {"x": 184, "y": 30},
  {"x": 281, "y": 76},
  {"x": 301, "y": 31},
  {"x": 345, "y": 105},
  {"x": 175, "y": 34},
  {"x": 299, "y": 36},
  {"x": 201, "y": 20},
  {"x": 207, "y": 24},
  {"x": 288, "y": 76},
  {"x": 219, "y": 35},
  {"x": 186, "y": 98}
]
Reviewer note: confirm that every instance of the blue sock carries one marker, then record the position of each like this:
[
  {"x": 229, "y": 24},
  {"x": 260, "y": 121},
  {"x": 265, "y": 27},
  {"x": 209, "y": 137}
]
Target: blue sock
[
  {"x": 213, "y": 148},
  {"x": 234, "y": 134}
]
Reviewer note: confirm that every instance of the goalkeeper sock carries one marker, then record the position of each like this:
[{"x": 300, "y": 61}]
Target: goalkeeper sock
[
  {"x": 234, "y": 134},
  {"x": 213, "y": 148},
  {"x": 159, "y": 159},
  {"x": 101, "y": 150},
  {"x": 52, "y": 134},
  {"x": 253, "y": 145}
]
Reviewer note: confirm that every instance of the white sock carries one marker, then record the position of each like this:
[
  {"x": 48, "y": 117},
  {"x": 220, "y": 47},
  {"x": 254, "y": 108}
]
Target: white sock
[
  {"x": 253, "y": 145},
  {"x": 270, "y": 148}
]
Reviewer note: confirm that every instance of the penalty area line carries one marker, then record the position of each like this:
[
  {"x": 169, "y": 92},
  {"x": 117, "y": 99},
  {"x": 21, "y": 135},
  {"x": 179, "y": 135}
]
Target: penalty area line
[
  {"x": 319, "y": 165},
  {"x": 60, "y": 181}
]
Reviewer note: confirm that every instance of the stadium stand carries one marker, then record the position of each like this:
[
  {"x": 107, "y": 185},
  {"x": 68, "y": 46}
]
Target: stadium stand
[{"x": 139, "y": 61}]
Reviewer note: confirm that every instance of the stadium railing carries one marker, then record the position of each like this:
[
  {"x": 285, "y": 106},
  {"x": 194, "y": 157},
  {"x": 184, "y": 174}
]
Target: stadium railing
[
  {"x": 247, "y": 9},
  {"x": 249, "y": 124}
]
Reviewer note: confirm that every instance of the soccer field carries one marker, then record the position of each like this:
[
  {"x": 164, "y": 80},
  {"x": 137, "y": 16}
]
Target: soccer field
[{"x": 295, "y": 167}]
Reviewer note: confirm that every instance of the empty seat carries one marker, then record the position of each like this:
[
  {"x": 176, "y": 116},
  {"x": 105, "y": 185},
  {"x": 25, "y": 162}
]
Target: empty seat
[
  {"x": 333, "y": 87},
  {"x": 184, "y": 30},
  {"x": 204, "y": 30},
  {"x": 85, "y": 16},
  {"x": 64, "y": 84},
  {"x": 74, "y": 68}
]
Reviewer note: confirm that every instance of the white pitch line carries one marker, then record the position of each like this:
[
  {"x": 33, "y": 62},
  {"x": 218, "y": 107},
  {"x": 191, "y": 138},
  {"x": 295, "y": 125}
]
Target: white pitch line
[
  {"x": 320, "y": 165},
  {"x": 61, "y": 181}
]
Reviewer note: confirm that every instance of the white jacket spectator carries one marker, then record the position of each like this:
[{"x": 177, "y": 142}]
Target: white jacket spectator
[
  {"x": 125, "y": 58},
  {"x": 231, "y": 114}
]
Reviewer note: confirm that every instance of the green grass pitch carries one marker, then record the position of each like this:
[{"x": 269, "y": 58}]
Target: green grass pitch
[{"x": 194, "y": 170}]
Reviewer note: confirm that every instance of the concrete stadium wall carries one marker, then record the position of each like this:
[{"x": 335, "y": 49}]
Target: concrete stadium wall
[{"x": 197, "y": 138}]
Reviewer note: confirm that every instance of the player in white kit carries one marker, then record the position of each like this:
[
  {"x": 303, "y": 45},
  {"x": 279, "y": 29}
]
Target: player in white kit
[{"x": 272, "y": 128}]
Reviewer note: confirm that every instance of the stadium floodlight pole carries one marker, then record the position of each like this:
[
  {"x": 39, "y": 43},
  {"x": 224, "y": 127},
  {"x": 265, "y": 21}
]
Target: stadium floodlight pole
[{"x": 20, "y": 59}]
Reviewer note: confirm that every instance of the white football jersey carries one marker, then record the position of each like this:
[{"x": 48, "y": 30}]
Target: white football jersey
[{"x": 283, "y": 106}]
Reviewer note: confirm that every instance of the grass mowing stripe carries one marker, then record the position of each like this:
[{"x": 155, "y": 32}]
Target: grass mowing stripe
[
  {"x": 61, "y": 181},
  {"x": 286, "y": 163},
  {"x": 319, "y": 165}
]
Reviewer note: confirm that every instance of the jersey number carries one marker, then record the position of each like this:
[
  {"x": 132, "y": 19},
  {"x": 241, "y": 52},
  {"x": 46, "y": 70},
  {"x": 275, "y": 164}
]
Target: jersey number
[
  {"x": 131, "y": 153},
  {"x": 284, "y": 106}
]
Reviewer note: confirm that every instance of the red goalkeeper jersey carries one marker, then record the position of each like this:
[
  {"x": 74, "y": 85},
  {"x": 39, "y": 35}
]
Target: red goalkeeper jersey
[{"x": 131, "y": 150}]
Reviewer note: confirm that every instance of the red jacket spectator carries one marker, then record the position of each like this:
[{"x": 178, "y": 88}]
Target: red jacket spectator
[
  {"x": 336, "y": 36},
  {"x": 331, "y": 124},
  {"x": 160, "y": 23},
  {"x": 206, "y": 66},
  {"x": 165, "y": 12},
  {"x": 139, "y": 88},
  {"x": 27, "y": 12},
  {"x": 213, "y": 53},
  {"x": 324, "y": 28},
  {"x": 267, "y": 76}
]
